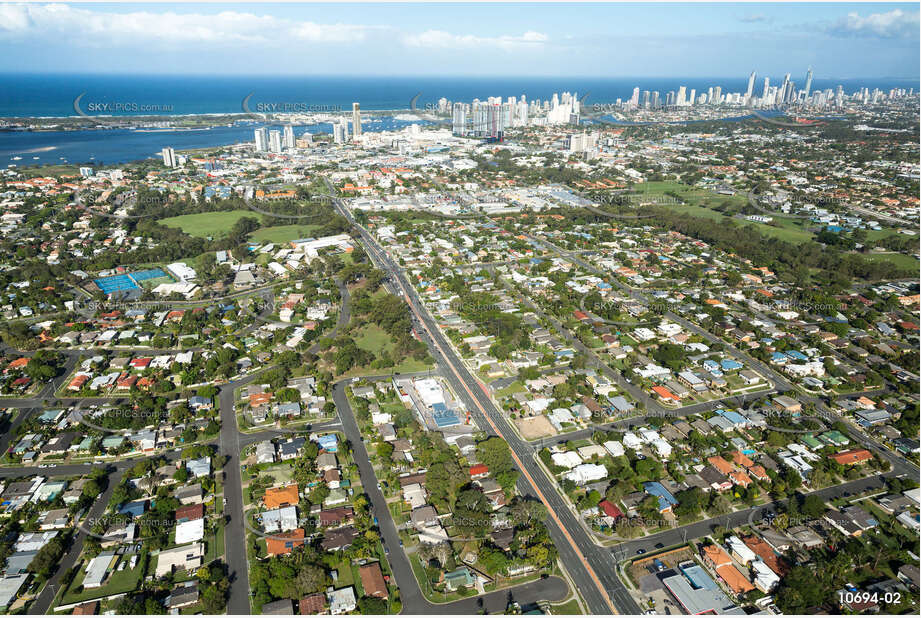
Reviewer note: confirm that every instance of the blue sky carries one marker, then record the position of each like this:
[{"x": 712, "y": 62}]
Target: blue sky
[{"x": 840, "y": 40}]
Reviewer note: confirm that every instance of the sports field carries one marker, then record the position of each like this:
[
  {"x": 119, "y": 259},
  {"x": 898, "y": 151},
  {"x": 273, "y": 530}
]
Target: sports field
[
  {"x": 205, "y": 224},
  {"x": 283, "y": 233}
]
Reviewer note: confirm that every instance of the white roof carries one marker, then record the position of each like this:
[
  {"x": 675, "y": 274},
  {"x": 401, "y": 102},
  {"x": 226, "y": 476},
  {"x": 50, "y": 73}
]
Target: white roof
[
  {"x": 568, "y": 459},
  {"x": 9, "y": 587},
  {"x": 189, "y": 531},
  {"x": 614, "y": 447},
  {"x": 283, "y": 519},
  {"x": 741, "y": 550}
]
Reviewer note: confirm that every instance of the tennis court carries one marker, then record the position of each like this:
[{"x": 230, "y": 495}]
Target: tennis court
[
  {"x": 130, "y": 281},
  {"x": 115, "y": 283}
]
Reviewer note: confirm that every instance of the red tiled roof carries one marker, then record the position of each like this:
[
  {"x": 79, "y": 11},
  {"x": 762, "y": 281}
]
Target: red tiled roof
[{"x": 610, "y": 510}]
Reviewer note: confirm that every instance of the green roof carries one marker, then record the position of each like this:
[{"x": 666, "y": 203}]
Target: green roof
[
  {"x": 835, "y": 437},
  {"x": 810, "y": 441},
  {"x": 460, "y": 576}
]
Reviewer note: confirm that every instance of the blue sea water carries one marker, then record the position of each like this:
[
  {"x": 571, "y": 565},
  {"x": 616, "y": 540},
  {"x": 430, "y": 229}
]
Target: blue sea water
[
  {"x": 113, "y": 146},
  {"x": 53, "y": 95}
]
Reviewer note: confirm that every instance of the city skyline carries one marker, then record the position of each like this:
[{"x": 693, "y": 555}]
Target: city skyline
[{"x": 618, "y": 40}]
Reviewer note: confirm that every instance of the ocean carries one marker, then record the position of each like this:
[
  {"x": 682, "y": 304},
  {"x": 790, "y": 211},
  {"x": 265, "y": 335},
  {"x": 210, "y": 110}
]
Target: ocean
[{"x": 51, "y": 95}]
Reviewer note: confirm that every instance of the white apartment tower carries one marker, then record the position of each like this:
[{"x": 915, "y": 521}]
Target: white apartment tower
[
  {"x": 356, "y": 120},
  {"x": 169, "y": 157},
  {"x": 262, "y": 139},
  {"x": 275, "y": 140}
]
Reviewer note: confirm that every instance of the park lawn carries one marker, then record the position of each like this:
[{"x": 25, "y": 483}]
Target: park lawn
[
  {"x": 786, "y": 229},
  {"x": 373, "y": 339},
  {"x": 898, "y": 259},
  {"x": 283, "y": 233},
  {"x": 204, "y": 224},
  {"x": 873, "y": 235},
  {"x": 56, "y": 169}
]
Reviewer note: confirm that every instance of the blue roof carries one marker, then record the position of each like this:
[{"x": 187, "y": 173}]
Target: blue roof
[
  {"x": 698, "y": 577},
  {"x": 446, "y": 418},
  {"x": 729, "y": 364},
  {"x": 666, "y": 499},
  {"x": 328, "y": 441},
  {"x": 796, "y": 355},
  {"x": 733, "y": 417}
]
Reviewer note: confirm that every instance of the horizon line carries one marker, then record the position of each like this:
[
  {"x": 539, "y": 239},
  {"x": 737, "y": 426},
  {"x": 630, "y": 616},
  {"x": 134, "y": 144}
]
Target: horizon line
[{"x": 426, "y": 75}]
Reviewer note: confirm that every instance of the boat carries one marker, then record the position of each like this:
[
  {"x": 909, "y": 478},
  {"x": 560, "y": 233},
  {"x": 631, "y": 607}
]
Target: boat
[{"x": 17, "y": 158}]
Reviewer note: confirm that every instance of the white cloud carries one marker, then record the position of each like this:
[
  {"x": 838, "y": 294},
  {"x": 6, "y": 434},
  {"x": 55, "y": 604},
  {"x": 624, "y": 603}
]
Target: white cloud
[
  {"x": 891, "y": 25},
  {"x": 447, "y": 40},
  {"x": 98, "y": 28},
  {"x": 753, "y": 18}
]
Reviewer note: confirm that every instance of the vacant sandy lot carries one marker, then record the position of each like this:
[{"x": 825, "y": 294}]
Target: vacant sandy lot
[{"x": 535, "y": 427}]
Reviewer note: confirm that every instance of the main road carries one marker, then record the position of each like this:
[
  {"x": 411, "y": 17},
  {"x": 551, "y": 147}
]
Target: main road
[
  {"x": 590, "y": 566},
  {"x": 414, "y": 602}
]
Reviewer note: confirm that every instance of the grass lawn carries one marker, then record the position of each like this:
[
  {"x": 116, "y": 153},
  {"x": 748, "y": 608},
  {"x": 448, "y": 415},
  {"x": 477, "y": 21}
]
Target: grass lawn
[
  {"x": 898, "y": 259},
  {"x": 785, "y": 230},
  {"x": 566, "y": 609},
  {"x": 699, "y": 202},
  {"x": 281, "y": 474},
  {"x": 373, "y": 339},
  {"x": 207, "y": 224},
  {"x": 346, "y": 577},
  {"x": 117, "y": 582},
  {"x": 511, "y": 389},
  {"x": 215, "y": 544},
  {"x": 283, "y": 233}
]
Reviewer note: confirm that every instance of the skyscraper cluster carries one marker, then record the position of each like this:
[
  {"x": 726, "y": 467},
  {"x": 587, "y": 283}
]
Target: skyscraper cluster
[
  {"x": 784, "y": 94},
  {"x": 492, "y": 117},
  {"x": 340, "y": 131},
  {"x": 274, "y": 140}
]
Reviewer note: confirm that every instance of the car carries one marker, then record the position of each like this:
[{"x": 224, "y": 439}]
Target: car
[
  {"x": 659, "y": 545},
  {"x": 640, "y": 551}
]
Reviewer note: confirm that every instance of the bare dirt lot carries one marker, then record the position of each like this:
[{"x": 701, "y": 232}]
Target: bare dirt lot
[{"x": 535, "y": 427}]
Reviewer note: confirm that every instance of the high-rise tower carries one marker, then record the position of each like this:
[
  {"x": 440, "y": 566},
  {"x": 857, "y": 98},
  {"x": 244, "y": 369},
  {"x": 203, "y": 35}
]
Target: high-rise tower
[{"x": 356, "y": 120}]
